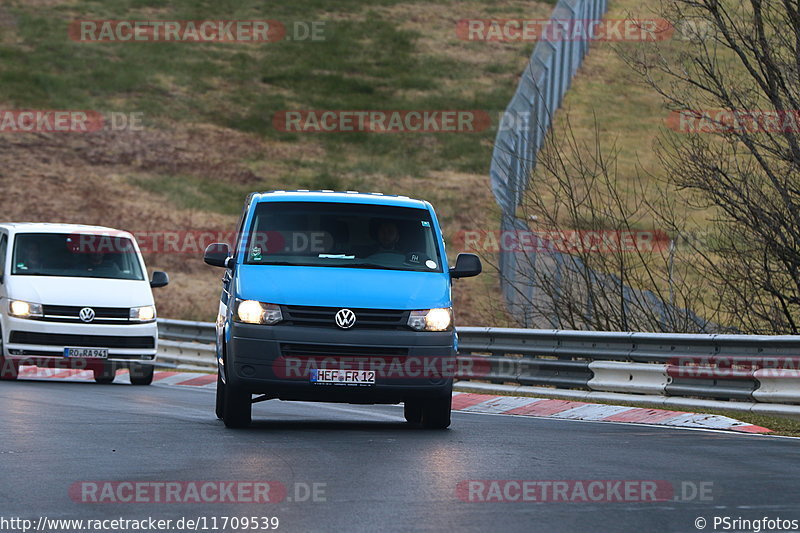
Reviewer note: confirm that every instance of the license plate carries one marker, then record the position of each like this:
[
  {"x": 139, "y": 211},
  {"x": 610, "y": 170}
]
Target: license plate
[
  {"x": 87, "y": 353},
  {"x": 342, "y": 377}
]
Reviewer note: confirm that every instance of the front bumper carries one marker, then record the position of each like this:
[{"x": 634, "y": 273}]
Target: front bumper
[
  {"x": 275, "y": 361},
  {"x": 42, "y": 343}
]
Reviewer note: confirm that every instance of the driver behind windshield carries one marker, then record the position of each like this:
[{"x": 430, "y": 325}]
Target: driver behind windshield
[
  {"x": 102, "y": 264},
  {"x": 388, "y": 237},
  {"x": 31, "y": 257}
]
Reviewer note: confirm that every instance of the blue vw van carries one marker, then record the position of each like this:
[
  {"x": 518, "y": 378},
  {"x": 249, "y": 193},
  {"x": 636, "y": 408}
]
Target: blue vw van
[{"x": 337, "y": 297}]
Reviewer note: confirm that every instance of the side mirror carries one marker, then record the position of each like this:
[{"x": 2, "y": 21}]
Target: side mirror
[
  {"x": 217, "y": 255},
  {"x": 160, "y": 279},
  {"x": 467, "y": 265}
]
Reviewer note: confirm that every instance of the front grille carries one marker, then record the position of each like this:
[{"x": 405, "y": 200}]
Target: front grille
[
  {"x": 337, "y": 350},
  {"x": 83, "y": 341},
  {"x": 365, "y": 318},
  {"x": 71, "y": 313}
]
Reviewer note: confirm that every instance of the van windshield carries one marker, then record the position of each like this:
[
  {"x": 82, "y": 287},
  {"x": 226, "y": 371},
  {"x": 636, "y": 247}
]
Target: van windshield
[
  {"x": 343, "y": 235},
  {"x": 75, "y": 255}
]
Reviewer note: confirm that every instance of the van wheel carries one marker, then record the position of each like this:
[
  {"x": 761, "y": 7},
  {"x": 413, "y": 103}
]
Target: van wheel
[
  {"x": 104, "y": 374},
  {"x": 220, "y": 398},
  {"x": 141, "y": 374},
  {"x": 436, "y": 413},
  {"x": 9, "y": 369},
  {"x": 237, "y": 407},
  {"x": 412, "y": 409}
]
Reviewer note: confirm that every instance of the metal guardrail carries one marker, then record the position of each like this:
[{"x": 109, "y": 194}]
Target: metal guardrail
[
  {"x": 755, "y": 368},
  {"x": 185, "y": 330}
]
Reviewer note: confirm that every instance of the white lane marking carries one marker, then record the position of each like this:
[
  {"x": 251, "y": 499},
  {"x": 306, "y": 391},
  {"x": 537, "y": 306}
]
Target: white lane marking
[
  {"x": 500, "y": 404},
  {"x": 592, "y": 411},
  {"x": 703, "y": 420}
]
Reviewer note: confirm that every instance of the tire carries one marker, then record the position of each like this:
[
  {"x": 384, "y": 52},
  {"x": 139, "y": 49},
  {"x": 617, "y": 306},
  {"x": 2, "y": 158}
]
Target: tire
[
  {"x": 105, "y": 374},
  {"x": 436, "y": 413},
  {"x": 9, "y": 369},
  {"x": 220, "y": 398},
  {"x": 141, "y": 374},
  {"x": 412, "y": 409},
  {"x": 237, "y": 407}
]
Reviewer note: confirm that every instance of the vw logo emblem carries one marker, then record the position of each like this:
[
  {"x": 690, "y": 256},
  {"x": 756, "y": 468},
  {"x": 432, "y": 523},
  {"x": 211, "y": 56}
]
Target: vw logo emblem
[
  {"x": 345, "y": 318},
  {"x": 86, "y": 314}
]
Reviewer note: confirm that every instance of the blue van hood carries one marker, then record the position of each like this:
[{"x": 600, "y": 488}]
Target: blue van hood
[{"x": 343, "y": 287}]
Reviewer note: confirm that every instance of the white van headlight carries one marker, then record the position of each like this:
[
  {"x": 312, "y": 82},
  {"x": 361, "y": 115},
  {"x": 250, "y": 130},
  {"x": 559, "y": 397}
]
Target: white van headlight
[
  {"x": 440, "y": 319},
  {"x": 145, "y": 313},
  {"x": 21, "y": 309},
  {"x": 253, "y": 312}
]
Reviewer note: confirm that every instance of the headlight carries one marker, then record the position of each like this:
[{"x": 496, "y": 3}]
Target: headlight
[
  {"x": 431, "y": 319},
  {"x": 21, "y": 309},
  {"x": 146, "y": 313},
  {"x": 253, "y": 312}
]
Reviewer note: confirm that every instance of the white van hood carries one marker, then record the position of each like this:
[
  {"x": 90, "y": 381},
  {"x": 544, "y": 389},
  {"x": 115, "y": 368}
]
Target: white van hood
[{"x": 97, "y": 292}]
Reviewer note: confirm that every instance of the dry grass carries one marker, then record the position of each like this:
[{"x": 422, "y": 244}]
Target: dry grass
[{"x": 195, "y": 161}]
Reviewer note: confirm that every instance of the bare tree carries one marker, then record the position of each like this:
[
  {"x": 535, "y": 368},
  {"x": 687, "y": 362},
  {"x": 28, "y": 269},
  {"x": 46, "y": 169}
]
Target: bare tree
[
  {"x": 735, "y": 89},
  {"x": 593, "y": 259}
]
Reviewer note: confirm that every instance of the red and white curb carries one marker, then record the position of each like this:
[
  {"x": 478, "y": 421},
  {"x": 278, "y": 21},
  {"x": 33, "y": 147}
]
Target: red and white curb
[
  {"x": 563, "y": 409},
  {"x": 188, "y": 379},
  {"x": 466, "y": 402}
]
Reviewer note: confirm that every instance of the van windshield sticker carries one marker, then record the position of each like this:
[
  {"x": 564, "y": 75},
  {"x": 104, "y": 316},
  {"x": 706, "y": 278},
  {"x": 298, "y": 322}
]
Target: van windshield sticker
[
  {"x": 426, "y": 224},
  {"x": 430, "y": 264},
  {"x": 336, "y": 256},
  {"x": 256, "y": 253}
]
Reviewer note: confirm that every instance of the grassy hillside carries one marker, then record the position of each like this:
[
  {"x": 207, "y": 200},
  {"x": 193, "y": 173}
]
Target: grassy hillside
[{"x": 207, "y": 110}]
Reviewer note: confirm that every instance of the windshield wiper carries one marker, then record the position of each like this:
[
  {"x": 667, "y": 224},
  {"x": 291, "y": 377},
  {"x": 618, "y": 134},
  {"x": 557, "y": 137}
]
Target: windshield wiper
[
  {"x": 381, "y": 267},
  {"x": 373, "y": 266},
  {"x": 278, "y": 263}
]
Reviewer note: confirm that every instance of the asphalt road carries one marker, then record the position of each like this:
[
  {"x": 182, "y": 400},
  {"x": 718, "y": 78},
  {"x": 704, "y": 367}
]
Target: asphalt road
[{"x": 372, "y": 471}]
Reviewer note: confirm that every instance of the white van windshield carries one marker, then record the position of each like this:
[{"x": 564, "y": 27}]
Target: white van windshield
[{"x": 76, "y": 256}]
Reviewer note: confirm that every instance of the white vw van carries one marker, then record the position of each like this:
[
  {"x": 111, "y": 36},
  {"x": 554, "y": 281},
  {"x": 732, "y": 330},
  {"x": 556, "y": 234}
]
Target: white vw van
[{"x": 76, "y": 296}]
